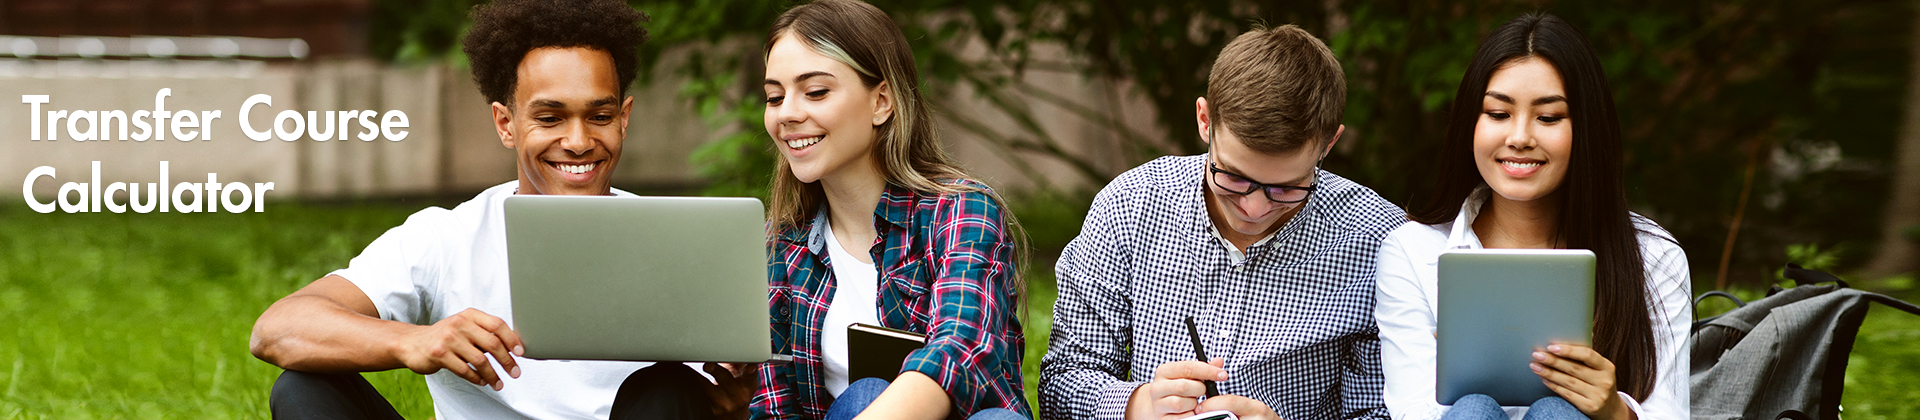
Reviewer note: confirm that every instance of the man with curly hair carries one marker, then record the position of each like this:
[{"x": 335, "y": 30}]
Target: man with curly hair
[{"x": 432, "y": 295}]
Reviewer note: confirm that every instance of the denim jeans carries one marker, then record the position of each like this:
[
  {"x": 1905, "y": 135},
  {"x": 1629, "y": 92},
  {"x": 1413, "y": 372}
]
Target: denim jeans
[
  {"x": 861, "y": 393},
  {"x": 1482, "y": 407}
]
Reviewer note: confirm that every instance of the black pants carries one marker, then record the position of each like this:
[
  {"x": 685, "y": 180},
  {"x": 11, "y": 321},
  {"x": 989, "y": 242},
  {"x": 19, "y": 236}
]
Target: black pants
[
  {"x": 333, "y": 396},
  {"x": 661, "y": 391}
]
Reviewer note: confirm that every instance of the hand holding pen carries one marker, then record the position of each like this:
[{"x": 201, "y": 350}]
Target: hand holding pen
[
  {"x": 1242, "y": 408},
  {"x": 1176, "y": 389}
]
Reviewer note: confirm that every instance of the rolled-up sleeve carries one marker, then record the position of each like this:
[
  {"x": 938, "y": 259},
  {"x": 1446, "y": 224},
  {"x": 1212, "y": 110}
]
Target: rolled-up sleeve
[
  {"x": 775, "y": 398},
  {"x": 972, "y": 303},
  {"x": 1082, "y": 374}
]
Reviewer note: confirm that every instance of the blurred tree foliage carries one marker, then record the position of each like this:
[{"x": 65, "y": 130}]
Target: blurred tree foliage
[{"x": 1789, "y": 105}]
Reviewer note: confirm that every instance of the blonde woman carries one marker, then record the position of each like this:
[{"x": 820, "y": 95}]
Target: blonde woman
[{"x": 872, "y": 223}]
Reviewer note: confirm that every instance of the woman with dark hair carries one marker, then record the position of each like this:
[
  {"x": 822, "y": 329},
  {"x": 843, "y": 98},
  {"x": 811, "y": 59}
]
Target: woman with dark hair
[
  {"x": 1532, "y": 159},
  {"x": 873, "y": 223}
]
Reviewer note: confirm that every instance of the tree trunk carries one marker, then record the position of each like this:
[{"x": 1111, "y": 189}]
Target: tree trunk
[{"x": 1897, "y": 253}]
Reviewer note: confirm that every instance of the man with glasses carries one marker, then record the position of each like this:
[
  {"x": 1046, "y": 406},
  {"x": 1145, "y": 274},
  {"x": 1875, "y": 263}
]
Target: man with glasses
[{"x": 1269, "y": 258}]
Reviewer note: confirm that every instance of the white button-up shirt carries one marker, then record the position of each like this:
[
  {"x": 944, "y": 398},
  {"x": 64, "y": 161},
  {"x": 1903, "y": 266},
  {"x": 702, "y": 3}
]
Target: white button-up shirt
[{"x": 1409, "y": 297}]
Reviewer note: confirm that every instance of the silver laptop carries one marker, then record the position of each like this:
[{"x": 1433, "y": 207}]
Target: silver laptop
[
  {"x": 639, "y": 278},
  {"x": 1496, "y": 307}
]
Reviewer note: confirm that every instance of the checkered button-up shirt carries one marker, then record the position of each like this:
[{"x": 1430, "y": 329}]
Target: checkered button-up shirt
[
  {"x": 1292, "y": 318},
  {"x": 946, "y": 270}
]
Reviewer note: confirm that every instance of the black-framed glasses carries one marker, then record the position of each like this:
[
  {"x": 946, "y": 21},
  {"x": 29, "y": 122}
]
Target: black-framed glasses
[{"x": 1240, "y": 185}]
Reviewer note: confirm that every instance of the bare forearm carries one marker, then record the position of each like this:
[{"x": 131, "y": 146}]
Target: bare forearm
[
  {"x": 911, "y": 396},
  {"x": 316, "y": 334}
]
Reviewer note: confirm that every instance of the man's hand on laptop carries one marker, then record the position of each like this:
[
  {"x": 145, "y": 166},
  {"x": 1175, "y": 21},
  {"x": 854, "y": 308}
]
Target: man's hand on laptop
[
  {"x": 1175, "y": 390},
  {"x": 733, "y": 388},
  {"x": 461, "y": 343}
]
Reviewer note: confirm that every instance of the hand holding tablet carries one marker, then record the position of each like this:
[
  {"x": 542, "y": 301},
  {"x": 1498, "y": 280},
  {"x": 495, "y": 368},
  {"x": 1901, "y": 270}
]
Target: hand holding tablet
[
  {"x": 1496, "y": 307},
  {"x": 1580, "y": 375}
]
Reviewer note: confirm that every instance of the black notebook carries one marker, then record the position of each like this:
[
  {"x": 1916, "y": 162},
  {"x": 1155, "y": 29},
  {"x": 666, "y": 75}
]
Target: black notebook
[{"x": 878, "y": 352}]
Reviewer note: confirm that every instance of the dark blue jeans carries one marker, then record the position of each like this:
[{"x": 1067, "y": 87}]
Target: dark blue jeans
[
  {"x": 861, "y": 393},
  {"x": 1482, "y": 407}
]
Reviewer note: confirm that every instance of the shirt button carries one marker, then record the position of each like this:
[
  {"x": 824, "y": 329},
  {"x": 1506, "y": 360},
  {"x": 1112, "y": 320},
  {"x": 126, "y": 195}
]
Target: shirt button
[{"x": 1226, "y": 335}]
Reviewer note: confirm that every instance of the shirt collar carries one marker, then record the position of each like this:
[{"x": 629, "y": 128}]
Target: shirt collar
[
  {"x": 1462, "y": 236},
  {"x": 798, "y": 234},
  {"x": 1234, "y": 253},
  {"x": 817, "y": 231},
  {"x": 896, "y": 205},
  {"x": 895, "y": 208}
]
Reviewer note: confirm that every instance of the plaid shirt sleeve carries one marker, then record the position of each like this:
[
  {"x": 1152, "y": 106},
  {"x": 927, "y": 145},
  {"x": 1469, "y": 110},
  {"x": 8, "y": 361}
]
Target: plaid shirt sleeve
[
  {"x": 776, "y": 399},
  {"x": 972, "y": 269}
]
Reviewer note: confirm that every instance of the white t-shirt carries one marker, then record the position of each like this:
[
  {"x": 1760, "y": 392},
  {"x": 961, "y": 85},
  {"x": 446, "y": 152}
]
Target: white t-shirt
[
  {"x": 441, "y": 262},
  {"x": 856, "y": 291},
  {"x": 1408, "y": 299}
]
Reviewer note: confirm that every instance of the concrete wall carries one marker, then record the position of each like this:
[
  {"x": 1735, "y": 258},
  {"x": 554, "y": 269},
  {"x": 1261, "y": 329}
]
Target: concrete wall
[
  {"x": 451, "y": 147},
  {"x": 227, "y": 152}
]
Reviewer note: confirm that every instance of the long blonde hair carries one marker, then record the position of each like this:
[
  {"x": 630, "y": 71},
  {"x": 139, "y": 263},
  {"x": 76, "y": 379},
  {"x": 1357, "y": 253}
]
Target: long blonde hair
[{"x": 907, "y": 149}]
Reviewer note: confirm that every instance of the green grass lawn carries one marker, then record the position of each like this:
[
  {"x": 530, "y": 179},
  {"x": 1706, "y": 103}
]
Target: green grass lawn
[
  {"x": 146, "y": 315},
  {"x": 1882, "y": 368},
  {"x": 139, "y": 316}
]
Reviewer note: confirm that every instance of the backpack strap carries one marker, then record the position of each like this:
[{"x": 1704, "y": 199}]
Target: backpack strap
[
  {"x": 1802, "y": 276},
  {"x": 1891, "y": 302},
  {"x": 1737, "y": 303}
]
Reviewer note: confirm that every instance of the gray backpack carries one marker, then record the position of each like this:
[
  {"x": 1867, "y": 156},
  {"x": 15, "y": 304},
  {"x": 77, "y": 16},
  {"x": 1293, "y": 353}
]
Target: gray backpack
[{"x": 1784, "y": 356}]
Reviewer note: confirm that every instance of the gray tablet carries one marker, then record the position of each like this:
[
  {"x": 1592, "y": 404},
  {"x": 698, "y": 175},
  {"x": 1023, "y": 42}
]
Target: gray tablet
[
  {"x": 639, "y": 278},
  {"x": 1496, "y": 306}
]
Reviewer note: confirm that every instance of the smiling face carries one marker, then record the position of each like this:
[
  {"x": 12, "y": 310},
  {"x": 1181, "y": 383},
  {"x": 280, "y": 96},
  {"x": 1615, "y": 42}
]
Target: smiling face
[
  {"x": 1523, "y": 141},
  {"x": 820, "y": 115},
  {"x": 567, "y": 122}
]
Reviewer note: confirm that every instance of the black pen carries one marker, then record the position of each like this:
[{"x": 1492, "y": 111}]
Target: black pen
[{"x": 1201, "y": 353}]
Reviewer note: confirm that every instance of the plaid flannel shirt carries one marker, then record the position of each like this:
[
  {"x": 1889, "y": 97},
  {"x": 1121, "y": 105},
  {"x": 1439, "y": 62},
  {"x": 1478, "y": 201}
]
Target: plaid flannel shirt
[{"x": 946, "y": 270}]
